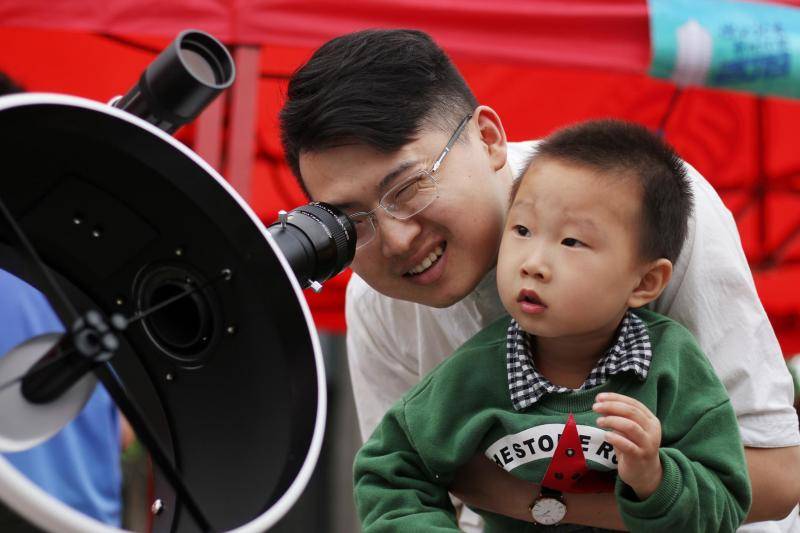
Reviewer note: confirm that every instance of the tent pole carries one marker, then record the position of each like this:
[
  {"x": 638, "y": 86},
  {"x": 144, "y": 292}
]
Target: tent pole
[
  {"x": 243, "y": 114},
  {"x": 208, "y": 139}
]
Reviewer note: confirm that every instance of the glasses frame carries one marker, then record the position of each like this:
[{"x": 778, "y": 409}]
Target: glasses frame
[{"x": 431, "y": 173}]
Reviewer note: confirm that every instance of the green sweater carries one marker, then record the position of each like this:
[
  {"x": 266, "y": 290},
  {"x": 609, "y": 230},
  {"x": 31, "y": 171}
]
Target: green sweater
[{"x": 463, "y": 406}]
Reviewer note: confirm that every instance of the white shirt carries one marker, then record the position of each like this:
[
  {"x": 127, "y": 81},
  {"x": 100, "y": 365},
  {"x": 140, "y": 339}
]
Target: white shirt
[{"x": 392, "y": 344}]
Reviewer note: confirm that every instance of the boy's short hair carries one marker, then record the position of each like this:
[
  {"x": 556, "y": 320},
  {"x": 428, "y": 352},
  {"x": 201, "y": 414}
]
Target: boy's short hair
[
  {"x": 630, "y": 151},
  {"x": 377, "y": 88}
]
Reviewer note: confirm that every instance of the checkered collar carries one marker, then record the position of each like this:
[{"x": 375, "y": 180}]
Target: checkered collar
[{"x": 630, "y": 352}]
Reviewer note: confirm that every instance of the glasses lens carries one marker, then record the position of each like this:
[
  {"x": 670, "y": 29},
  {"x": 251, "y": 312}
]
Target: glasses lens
[
  {"x": 365, "y": 231},
  {"x": 411, "y": 196}
]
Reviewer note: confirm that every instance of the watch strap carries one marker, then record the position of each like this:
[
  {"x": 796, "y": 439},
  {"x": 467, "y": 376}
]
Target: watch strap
[{"x": 547, "y": 492}]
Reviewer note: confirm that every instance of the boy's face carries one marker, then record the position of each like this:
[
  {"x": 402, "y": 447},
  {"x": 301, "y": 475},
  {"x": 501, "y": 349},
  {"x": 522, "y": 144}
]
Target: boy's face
[
  {"x": 465, "y": 221},
  {"x": 569, "y": 254}
]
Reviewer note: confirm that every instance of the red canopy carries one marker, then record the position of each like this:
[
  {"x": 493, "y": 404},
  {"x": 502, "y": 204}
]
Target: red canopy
[
  {"x": 605, "y": 34},
  {"x": 539, "y": 64}
]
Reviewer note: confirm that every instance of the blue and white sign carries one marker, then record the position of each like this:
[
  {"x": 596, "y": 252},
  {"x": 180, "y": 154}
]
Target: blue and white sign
[{"x": 746, "y": 46}]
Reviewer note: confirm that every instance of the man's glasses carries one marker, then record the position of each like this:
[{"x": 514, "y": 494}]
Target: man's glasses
[{"x": 407, "y": 198}]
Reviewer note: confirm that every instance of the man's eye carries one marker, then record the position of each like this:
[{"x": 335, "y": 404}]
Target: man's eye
[
  {"x": 522, "y": 231},
  {"x": 572, "y": 243},
  {"x": 405, "y": 193}
]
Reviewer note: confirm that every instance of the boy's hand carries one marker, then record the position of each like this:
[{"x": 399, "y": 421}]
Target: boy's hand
[{"x": 636, "y": 439}]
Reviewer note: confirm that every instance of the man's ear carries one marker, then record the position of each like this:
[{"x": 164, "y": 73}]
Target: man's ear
[
  {"x": 653, "y": 281},
  {"x": 492, "y": 135}
]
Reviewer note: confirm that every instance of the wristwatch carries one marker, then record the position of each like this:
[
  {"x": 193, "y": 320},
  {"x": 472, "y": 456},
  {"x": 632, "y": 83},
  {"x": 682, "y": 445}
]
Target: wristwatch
[{"x": 548, "y": 508}]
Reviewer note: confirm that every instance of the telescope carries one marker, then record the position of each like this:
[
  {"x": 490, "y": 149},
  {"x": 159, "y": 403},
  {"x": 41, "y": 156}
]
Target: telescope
[{"x": 174, "y": 296}]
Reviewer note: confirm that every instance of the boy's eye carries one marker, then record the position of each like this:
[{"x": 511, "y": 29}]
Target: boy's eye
[
  {"x": 569, "y": 241},
  {"x": 522, "y": 231}
]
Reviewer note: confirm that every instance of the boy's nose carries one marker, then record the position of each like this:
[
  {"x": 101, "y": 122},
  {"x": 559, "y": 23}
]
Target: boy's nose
[
  {"x": 397, "y": 235},
  {"x": 536, "y": 267}
]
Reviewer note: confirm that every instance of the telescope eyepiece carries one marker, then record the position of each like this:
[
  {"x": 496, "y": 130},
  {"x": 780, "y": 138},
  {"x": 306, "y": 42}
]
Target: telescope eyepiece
[
  {"x": 317, "y": 239},
  {"x": 181, "y": 81}
]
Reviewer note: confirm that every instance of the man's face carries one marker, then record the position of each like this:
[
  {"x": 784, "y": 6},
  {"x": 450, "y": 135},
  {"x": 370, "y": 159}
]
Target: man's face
[
  {"x": 439, "y": 255},
  {"x": 569, "y": 258}
]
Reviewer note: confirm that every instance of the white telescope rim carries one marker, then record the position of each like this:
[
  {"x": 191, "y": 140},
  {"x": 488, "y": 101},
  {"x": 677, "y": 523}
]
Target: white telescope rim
[{"x": 51, "y": 514}]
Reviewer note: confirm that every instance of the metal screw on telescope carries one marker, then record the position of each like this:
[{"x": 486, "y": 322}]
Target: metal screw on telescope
[{"x": 157, "y": 507}]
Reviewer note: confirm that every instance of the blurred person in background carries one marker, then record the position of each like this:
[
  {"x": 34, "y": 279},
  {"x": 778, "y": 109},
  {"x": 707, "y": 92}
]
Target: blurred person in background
[{"x": 80, "y": 465}]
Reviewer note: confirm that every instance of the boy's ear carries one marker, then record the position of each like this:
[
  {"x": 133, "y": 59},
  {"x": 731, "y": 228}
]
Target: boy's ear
[
  {"x": 653, "y": 281},
  {"x": 492, "y": 135}
]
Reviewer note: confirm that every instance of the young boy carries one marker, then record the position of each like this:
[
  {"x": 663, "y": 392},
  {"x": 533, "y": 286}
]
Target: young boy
[{"x": 595, "y": 224}]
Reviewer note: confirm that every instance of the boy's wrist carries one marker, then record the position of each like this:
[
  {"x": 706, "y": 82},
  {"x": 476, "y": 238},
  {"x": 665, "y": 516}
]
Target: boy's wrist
[
  {"x": 522, "y": 508},
  {"x": 660, "y": 501},
  {"x": 593, "y": 510},
  {"x": 650, "y": 481}
]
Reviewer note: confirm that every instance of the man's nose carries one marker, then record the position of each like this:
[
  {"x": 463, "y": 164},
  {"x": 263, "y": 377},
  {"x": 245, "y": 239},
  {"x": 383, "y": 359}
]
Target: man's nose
[
  {"x": 536, "y": 265},
  {"x": 397, "y": 235}
]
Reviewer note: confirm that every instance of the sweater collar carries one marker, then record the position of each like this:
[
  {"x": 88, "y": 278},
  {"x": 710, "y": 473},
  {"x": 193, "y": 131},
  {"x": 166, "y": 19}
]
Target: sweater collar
[{"x": 631, "y": 351}]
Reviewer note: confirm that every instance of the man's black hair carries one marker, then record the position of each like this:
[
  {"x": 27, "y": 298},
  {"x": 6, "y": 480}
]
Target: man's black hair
[
  {"x": 627, "y": 150},
  {"x": 377, "y": 88}
]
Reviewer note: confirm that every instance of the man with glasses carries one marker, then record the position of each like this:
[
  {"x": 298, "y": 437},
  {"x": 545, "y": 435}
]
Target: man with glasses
[
  {"x": 407, "y": 198},
  {"x": 382, "y": 125}
]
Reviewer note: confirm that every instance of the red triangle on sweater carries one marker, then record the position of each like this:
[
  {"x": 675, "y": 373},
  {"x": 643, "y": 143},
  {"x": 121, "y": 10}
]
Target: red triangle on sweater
[{"x": 568, "y": 471}]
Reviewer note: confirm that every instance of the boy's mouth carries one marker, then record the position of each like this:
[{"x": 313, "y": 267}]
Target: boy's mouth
[
  {"x": 527, "y": 295},
  {"x": 430, "y": 260},
  {"x": 530, "y": 302}
]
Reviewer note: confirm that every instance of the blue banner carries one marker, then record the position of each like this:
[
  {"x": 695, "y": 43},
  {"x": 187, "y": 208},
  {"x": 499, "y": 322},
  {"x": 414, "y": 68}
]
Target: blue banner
[{"x": 726, "y": 43}]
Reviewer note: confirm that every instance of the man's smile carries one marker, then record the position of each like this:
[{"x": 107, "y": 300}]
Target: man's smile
[
  {"x": 428, "y": 261},
  {"x": 430, "y": 267}
]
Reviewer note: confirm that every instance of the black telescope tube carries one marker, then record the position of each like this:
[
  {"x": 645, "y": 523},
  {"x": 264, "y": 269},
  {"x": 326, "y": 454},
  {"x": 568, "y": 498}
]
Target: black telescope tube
[
  {"x": 318, "y": 241},
  {"x": 181, "y": 81}
]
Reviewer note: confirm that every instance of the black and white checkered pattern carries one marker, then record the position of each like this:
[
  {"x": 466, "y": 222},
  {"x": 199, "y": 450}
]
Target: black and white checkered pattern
[{"x": 630, "y": 352}]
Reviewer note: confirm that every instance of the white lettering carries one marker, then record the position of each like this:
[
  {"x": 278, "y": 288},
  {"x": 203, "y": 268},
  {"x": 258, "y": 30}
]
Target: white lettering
[{"x": 539, "y": 443}]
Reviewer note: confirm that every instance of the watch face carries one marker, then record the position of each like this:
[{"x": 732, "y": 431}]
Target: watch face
[{"x": 548, "y": 511}]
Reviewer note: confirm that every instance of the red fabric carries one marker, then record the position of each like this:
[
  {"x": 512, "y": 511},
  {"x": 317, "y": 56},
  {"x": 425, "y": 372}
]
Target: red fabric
[
  {"x": 608, "y": 34},
  {"x": 142, "y": 17},
  {"x": 752, "y": 162},
  {"x": 605, "y": 33}
]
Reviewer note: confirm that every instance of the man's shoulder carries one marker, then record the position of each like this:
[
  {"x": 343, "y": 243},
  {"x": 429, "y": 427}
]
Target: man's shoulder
[
  {"x": 664, "y": 331},
  {"x": 357, "y": 289},
  {"x": 471, "y": 363},
  {"x": 674, "y": 349},
  {"x": 488, "y": 338},
  {"x": 360, "y": 297}
]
